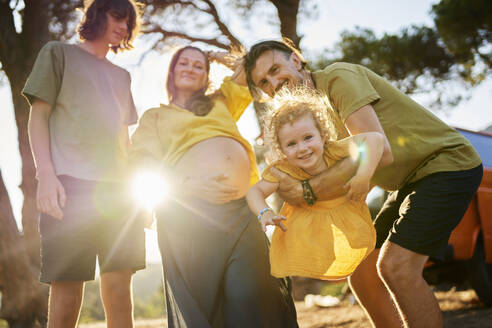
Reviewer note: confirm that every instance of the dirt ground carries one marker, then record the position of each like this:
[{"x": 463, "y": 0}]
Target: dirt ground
[{"x": 460, "y": 308}]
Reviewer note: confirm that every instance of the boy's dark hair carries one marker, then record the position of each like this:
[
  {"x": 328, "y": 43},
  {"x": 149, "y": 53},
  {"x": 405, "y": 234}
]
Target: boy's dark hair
[
  {"x": 94, "y": 22},
  {"x": 285, "y": 46},
  {"x": 200, "y": 104}
]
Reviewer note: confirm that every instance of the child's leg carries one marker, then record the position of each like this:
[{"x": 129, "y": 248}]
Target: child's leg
[
  {"x": 64, "y": 303},
  {"x": 116, "y": 295}
]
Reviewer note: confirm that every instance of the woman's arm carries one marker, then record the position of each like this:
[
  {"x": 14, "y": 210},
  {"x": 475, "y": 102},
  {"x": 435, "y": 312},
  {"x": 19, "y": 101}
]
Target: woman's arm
[
  {"x": 235, "y": 93},
  {"x": 146, "y": 151},
  {"x": 213, "y": 189},
  {"x": 256, "y": 200},
  {"x": 233, "y": 61},
  {"x": 147, "y": 154}
]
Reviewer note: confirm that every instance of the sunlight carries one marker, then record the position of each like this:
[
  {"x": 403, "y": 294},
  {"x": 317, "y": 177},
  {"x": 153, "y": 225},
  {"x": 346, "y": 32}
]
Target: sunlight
[
  {"x": 356, "y": 151},
  {"x": 149, "y": 189}
]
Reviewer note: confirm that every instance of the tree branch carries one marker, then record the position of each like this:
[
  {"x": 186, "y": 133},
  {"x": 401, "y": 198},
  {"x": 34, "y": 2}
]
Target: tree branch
[
  {"x": 221, "y": 25},
  {"x": 172, "y": 34},
  {"x": 287, "y": 13}
]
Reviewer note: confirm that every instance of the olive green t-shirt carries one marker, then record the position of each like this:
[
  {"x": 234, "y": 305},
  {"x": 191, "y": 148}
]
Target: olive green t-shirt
[
  {"x": 420, "y": 142},
  {"x": 92, "y": 106}
]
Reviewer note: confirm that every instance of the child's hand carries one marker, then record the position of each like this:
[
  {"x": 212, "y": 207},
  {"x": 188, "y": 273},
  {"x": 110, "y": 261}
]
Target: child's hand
[
  {"x": 271, "y": 218},
  {"x": 358, "y": 187}
]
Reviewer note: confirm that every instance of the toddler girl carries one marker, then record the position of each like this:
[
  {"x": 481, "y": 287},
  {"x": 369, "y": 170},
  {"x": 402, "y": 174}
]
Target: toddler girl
[{"x": 324, "y": 239}]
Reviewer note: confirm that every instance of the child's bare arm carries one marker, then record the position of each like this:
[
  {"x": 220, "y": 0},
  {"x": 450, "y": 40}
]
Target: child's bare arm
[
  {"x": 369, "y": 146},
  {"x": 256, "y": 200}
]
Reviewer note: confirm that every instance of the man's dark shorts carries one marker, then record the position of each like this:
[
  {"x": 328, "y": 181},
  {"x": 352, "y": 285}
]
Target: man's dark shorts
[
  {"x": 98, "y": 220},
  {"x": 421, "y": 216}
]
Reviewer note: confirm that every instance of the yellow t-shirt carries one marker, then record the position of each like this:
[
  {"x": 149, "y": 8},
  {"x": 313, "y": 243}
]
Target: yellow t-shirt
[
  {"x": 325, "y": 241},
  {"x": 164, "y": 134},
  {"x": 420, "y": 142}
]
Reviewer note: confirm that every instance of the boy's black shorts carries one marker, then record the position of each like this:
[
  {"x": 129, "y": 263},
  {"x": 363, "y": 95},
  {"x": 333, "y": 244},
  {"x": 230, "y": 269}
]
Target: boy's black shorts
[
  {"x": 98, "y": 220},
  {"x": 421, "y": 216}
]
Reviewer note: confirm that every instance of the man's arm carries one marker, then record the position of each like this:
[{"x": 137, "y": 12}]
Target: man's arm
[
  {"x": 327, "y": 185},
  {"x": 365, "y": 120},
  {"x": 330, "y": 183},
  {"x": 50, "y": 194}
]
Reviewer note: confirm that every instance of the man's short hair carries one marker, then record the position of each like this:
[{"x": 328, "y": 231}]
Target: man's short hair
[
  {"x": 285, "y": 46},
  {"x": 94, "y": 22}
]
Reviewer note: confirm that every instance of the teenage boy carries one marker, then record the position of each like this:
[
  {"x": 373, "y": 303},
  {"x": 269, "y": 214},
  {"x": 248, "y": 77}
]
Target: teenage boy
[
  {"x": 432, "y": 171},
  {"x": 81, "y": 106}
]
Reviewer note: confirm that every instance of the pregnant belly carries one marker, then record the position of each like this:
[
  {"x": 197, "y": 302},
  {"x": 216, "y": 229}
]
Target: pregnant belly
[{"x": 216, "y": 156}]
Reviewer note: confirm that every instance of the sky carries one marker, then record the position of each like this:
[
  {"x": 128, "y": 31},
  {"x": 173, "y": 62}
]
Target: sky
[{"x": 319, "y": 30}]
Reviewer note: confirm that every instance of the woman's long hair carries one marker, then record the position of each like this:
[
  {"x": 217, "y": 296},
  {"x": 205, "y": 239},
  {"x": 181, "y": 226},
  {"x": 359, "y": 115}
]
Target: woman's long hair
[{"x": 199, "y": 103}]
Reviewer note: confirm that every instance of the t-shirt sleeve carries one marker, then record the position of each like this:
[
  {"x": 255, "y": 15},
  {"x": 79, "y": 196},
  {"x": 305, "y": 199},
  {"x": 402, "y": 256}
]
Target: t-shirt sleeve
[
  {"x": 45, "y": 79},
  {"x": 132, "y": 116},
  {"x": 268, "y": 176},
  {"x": 236, "y": 97},
  {"x": 337, "y": 150},
  {"x": 284, "y": 166},
  {"x": 349, "y": 89}
]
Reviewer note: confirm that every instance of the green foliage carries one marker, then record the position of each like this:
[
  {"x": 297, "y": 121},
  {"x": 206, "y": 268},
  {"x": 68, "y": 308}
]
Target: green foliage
[
  {"x": 146, "y": 282},
  {"x": 148, "y": 296},
  {"x": 465, "y": 26},
  {"x": 152, "y": 307},
  {"x": 421, "y": 59},
  {"x": 400, "y": 58},
  {"x": 92, "y": 308},
  {"x": 334, "y": 289}
]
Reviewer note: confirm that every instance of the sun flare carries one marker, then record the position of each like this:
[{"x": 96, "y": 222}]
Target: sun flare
[{"x": 149, "y": 189}]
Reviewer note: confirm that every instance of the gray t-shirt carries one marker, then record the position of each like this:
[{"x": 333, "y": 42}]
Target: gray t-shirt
[{"x": 92, "y": 106}]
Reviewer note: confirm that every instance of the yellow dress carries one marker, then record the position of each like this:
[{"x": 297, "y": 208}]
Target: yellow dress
[{"x": 325, "y": 241}]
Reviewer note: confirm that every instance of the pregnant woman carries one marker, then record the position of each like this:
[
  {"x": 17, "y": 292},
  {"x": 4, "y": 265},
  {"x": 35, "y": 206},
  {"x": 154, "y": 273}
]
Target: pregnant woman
[{"x": 214, "y": 252}]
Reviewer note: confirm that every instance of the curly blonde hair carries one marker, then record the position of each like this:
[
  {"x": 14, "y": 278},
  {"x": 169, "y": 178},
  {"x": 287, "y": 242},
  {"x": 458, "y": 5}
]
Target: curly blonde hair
[{"x": 288, "y": 106}]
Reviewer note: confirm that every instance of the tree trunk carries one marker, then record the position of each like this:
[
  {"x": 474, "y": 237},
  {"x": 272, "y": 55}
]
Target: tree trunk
[
  {"x": 24, "y": 299},
  {"x": 30, "y": 216},
  {"x": 287, "y": 13}
]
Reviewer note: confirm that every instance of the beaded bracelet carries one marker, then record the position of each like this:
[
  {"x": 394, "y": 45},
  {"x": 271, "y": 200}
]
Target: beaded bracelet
[{"x": 266, "y": 209}]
